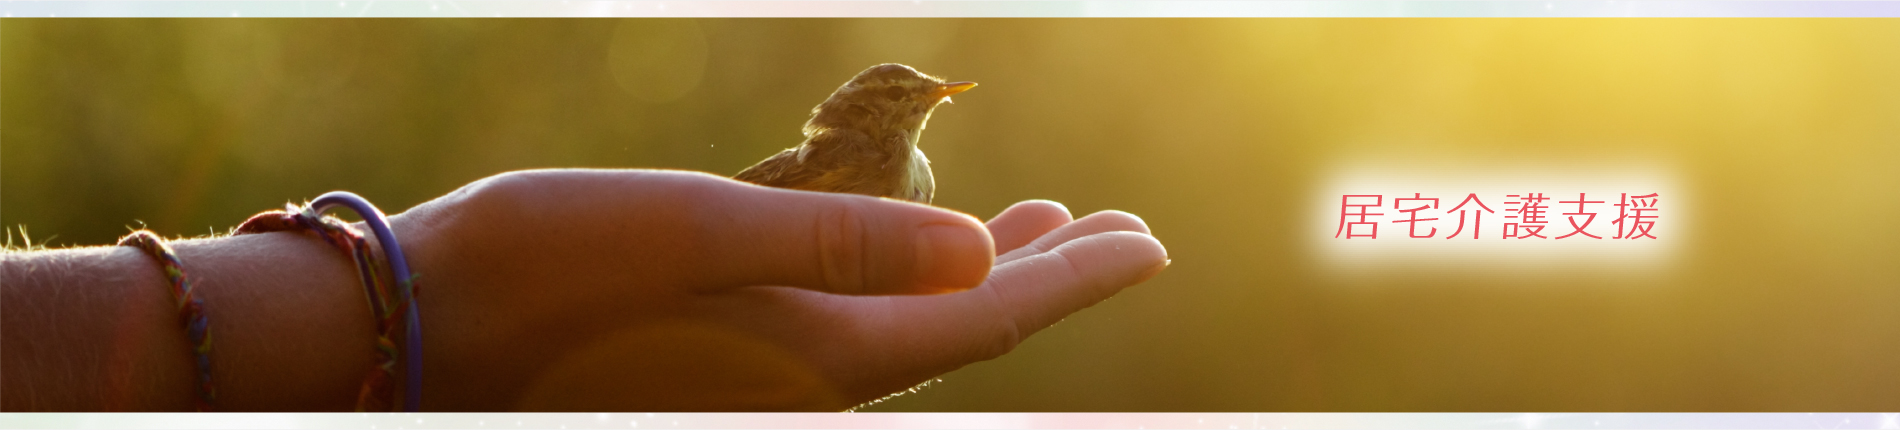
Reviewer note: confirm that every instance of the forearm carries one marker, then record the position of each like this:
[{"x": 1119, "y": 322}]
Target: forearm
[{"x": 96, "y": 328}]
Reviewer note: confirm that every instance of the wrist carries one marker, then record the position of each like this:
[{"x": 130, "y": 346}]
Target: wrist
[
  {"x": 384, "y": 287},
  {"x": 437, "y": 249}
]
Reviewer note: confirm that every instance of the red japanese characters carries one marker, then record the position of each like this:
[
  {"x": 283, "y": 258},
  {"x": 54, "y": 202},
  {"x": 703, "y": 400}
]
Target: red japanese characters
[{"x": 1525, "y": 216}]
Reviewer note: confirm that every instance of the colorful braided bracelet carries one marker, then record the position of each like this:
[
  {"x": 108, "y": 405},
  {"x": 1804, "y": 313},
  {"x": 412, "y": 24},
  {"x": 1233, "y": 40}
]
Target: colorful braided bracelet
[
  {"x": 378, "y": 390},
  {"x": 191, "y": 311}
]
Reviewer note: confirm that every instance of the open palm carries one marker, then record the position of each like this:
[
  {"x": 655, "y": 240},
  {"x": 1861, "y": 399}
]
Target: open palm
[{"x": 669, "y": 291}]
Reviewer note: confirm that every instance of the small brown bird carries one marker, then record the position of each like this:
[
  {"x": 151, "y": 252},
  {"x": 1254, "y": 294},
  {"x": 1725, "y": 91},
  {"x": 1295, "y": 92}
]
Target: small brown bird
[{"x": 863, "y": 140}]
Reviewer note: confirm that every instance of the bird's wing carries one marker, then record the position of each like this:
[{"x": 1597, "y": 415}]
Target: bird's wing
[
  {"x": 769, "y": 171},
  {"x": 831, "y": 160}
]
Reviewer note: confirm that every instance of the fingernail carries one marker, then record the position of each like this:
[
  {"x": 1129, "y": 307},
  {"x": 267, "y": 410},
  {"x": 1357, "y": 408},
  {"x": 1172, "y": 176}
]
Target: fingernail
[
  {"x": 951, "y": 258},
  {"x": 1152, "y": 271}
]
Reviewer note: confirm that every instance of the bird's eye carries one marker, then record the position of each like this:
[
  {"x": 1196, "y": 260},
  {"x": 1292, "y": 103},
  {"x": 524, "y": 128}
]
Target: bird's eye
[{"x": 895, "y": 93}]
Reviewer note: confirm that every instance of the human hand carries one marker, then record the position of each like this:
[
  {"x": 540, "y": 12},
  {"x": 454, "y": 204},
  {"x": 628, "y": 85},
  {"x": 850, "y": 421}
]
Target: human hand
[{"x": 660, "y": 290}]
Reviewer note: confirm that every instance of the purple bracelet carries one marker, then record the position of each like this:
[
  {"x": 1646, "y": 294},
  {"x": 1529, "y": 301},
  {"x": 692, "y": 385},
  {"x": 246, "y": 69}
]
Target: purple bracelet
[
  {"x": 390, "y": 312},
  {"x": 399, "y": 266}
]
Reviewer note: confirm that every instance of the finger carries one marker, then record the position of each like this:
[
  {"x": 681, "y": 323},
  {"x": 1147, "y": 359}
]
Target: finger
[
  {"x": 835, "y": 243},
  {"x": 1099, "y": 222},
  {"x": 1041, "y": 289},
  {"x": 1025, "y": 221},
  {"x": 1022, "y": 297}
]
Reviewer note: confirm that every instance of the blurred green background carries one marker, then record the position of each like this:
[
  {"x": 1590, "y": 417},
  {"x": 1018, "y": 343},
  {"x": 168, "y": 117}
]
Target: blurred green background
[{"x": 1216, "y": 131}]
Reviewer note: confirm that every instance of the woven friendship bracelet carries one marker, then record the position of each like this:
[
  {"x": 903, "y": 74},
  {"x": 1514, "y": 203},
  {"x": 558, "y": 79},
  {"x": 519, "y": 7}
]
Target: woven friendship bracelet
[
  {"x": 393, "y": 307},
  {"x": 191, "y": 311}
]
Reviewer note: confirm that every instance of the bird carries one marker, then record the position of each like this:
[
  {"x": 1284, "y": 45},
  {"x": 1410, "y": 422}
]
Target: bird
[{"x": 863, "y": 138}]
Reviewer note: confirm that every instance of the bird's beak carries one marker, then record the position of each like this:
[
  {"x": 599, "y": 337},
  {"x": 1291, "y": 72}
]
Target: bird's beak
[{"x": 944, "y": 91}]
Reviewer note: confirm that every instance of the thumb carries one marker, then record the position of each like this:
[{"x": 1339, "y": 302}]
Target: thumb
[{"x": 837, "y": 243}]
